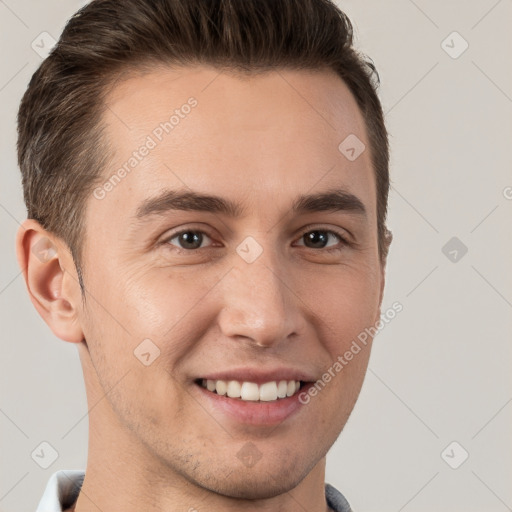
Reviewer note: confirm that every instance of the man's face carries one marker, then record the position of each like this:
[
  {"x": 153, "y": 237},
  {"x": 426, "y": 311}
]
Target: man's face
[{"x": 267, "y": 293}]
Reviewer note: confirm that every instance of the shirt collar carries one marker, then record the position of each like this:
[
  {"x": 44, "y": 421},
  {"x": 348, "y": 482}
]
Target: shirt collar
[{"x": 61, "y": 490}]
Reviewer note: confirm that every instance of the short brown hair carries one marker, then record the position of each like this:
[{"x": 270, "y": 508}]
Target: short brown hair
[{"x": 61, "y": 151}]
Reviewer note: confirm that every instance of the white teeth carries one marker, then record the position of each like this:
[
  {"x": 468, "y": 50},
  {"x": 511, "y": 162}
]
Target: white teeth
[
  {"x": 234, "y": 389},
  {"x": 250, "y": 391},
  {"x": 221, "y": 387},
  {"x": 281, "y": 388},
  {"x": 268, "y": 392}
]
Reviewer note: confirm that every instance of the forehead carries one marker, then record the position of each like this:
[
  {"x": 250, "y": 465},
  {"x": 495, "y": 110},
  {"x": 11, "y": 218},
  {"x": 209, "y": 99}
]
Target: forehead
[{"x": 259, "y": 136}]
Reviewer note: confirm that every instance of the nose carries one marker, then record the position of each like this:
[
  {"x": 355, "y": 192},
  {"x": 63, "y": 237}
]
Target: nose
[{"x": 259, "y": 303}]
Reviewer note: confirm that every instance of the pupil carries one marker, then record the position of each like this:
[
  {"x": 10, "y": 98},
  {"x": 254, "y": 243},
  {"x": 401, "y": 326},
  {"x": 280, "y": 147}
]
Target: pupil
[
  {"x": 191, "y": 240},
  {"x": 317, "y": 239}
]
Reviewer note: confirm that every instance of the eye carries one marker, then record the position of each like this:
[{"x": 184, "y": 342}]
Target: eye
[
  {"x": 322, "y": 239},
  {"x": 188, "y": 239}
]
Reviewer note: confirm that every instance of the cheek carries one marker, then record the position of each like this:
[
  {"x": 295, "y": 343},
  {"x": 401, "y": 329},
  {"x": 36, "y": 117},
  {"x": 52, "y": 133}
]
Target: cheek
[
  {"x": 142, "y": 301},
  {"x": 134, "y": 356},
  {"x": 168, "y": 306},
  {"x": 172, "y": 309},
  {"x": 344, "y": 303},
  {"x": 347, "y": 304}
]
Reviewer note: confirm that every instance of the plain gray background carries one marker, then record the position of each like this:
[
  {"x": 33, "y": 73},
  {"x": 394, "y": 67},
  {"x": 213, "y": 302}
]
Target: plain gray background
[{"x": 440, "y": 371}]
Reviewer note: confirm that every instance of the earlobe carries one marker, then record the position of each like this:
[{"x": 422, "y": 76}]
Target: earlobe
[{"x": 46, "y": 263}]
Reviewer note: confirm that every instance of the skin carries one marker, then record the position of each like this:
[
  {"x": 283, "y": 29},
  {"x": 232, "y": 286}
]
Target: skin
[{"x": 154, "y": 445}]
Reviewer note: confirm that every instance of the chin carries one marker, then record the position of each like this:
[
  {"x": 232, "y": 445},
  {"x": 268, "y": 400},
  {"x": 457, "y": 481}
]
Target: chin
[
  {"x": 255, "y": 485},
  {"x": 265, "y": 479}
]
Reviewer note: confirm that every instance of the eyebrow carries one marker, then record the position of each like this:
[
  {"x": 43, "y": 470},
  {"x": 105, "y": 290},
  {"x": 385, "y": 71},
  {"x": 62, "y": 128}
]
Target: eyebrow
[{"x": 337, "y": 200}]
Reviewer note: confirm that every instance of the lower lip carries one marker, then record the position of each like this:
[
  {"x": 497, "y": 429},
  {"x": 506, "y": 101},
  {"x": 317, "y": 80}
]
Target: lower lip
[{"x": 252, "y": 412}]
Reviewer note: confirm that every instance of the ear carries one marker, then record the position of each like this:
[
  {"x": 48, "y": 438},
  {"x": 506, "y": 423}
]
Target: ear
[
  {"x": 51, "y": 279},
  {"x": 388, "y": 238}
]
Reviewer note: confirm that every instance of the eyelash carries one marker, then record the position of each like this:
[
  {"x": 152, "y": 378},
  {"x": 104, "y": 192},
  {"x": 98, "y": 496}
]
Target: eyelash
[{"x": 342, "y": 239}]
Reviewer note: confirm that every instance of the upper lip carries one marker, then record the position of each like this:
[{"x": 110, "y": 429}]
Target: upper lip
[{"x": 259, "y": 376}]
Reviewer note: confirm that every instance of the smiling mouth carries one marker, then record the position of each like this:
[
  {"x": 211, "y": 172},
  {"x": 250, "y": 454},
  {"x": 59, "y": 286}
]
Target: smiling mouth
[{"x": 250, "y": 391}]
